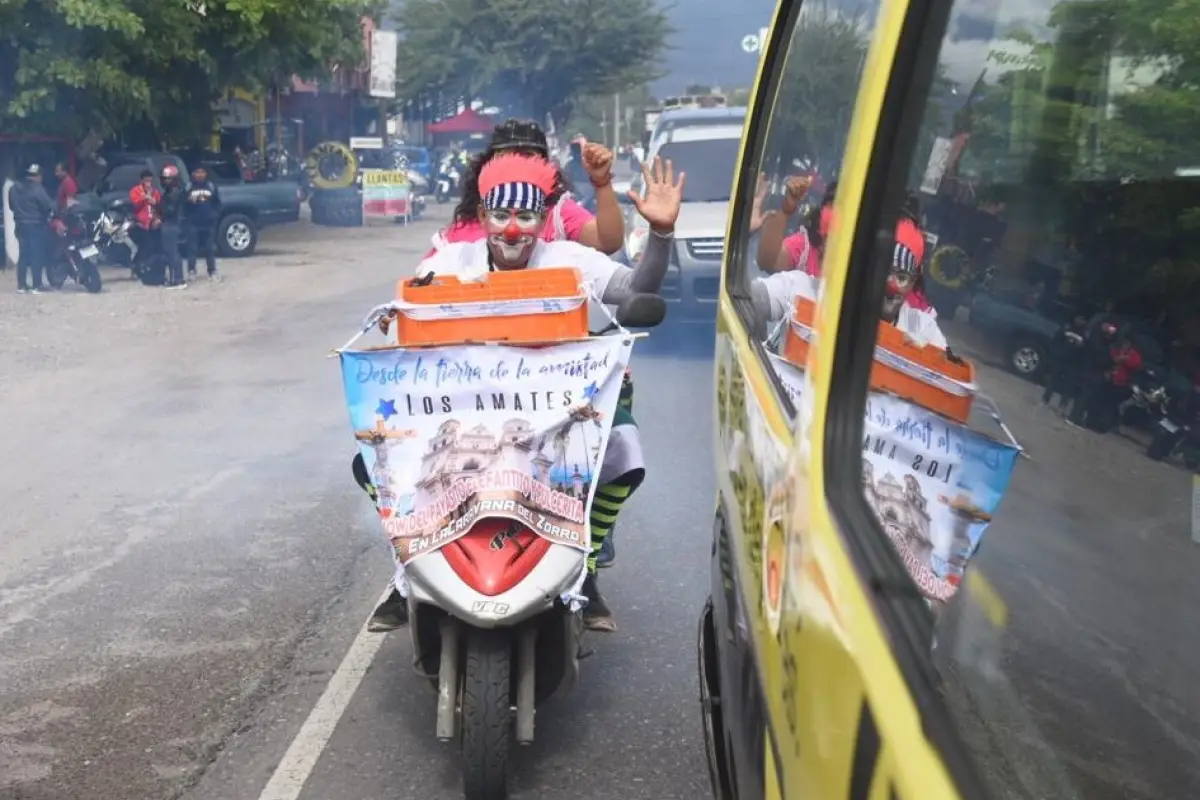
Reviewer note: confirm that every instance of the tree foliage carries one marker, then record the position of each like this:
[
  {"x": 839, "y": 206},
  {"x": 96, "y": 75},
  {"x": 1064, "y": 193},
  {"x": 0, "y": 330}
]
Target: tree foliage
[
  {"x": 73, "y": 66},
  {"x": 817, "y": 90},
  {"x": 531, "y": 57},
  {"x": 1091, "y": 117}
]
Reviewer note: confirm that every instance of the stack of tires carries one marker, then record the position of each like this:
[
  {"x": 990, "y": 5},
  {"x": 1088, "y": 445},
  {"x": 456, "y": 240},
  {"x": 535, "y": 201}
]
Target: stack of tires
[{"x": 336, "y": 198}]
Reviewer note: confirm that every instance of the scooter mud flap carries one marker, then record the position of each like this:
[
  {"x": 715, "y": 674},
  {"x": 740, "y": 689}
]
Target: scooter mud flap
[
  {"x": 448, "y": 680},
  {"x": 526, "y": 682}
]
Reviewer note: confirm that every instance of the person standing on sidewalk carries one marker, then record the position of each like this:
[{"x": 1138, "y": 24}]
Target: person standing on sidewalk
[
  {"x": 200, "y": 215},
  {"x": 68, "y": 190},
  {"x": 174, "y": 198},
  {"x": 31, "y": 209}
]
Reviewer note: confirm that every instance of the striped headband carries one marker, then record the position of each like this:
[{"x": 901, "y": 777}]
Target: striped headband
[
  {"x": 520, "y": 196},
  {"x": 904, "y": 260}
]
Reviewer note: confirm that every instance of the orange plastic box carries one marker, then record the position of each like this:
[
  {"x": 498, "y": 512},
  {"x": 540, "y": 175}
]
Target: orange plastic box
[
  {"x": 921, "y": 375},
  {"x": 497, "y": 308}
]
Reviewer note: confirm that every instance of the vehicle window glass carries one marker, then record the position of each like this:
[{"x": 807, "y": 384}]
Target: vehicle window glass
[
  {"x": 1043, "y": 292},
  {"x": 709, "y": 164},
  {"x": 222, "y": 170},
  {"x": 802, "y": 145},
  {"x": 124, "y": 178}
]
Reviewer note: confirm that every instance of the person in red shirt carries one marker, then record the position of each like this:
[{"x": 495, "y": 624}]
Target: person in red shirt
[
  {"x": 67, "y": 188},
  {"x": 146, "y": 202},
  {"x": 1126, "y": 362}
]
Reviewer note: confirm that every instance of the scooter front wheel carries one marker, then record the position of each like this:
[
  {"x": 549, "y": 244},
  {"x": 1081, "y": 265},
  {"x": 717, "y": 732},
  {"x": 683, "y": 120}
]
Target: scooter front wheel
[
  {"x": 486, "y": 714},
  {"x": 91, "y": 278},
  {"x": 56, "y": 275}
]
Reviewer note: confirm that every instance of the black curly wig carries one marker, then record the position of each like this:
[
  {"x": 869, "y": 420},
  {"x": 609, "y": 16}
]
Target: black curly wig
[{"x": 513, "y": 135}]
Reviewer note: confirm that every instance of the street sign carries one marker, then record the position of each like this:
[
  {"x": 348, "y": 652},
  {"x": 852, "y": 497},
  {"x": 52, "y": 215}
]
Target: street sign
[{"x": 755, "y": 42}]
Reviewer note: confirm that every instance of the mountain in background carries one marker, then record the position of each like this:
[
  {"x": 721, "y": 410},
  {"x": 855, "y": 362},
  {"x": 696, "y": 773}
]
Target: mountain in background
[{"x": 706, "y": 47}]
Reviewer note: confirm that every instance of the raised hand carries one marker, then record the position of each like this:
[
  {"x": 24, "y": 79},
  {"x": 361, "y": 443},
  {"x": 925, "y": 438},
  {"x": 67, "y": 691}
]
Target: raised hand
[
  {"x": 597, "y": 162},
  {"x": 662, "y": 195}
]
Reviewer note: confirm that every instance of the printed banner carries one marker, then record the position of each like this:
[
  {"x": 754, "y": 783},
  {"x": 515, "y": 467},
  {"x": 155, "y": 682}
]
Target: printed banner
[
  {"x": 933, "y": 483},
  {"x": 385, "y": 193},
  {"x": 453, "y": 435},
  {"x": 384, "y": 46}
]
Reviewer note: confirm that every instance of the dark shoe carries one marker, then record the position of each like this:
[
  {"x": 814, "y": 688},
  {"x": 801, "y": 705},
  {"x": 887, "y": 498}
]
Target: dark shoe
[
  {"x": 596, "y": 614},
  {"x": 608, "y": 553},
  {"x": 391, "y": 614}
]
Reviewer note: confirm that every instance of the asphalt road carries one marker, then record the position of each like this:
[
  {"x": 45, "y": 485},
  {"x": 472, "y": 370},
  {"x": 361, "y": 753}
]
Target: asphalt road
[
  {"x": 184, "y": 560},
  {"x": 185, "y": 563}
]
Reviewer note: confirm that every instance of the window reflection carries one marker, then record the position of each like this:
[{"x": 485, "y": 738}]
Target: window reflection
[
  {"x": 809, "y": 123},
  {"x": 1058, "y": 183}
]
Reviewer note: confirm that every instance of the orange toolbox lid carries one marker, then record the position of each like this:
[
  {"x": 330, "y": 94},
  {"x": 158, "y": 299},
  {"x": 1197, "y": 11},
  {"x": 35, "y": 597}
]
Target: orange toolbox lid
[
  {"x": 515, "y": 306},
  {"x": 920, "y": 374}
]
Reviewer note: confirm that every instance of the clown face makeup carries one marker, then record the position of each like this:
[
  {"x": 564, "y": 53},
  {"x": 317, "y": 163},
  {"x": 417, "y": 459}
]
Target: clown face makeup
[
  {"x": 513, "y": 211},
  {"x": 512, "y": 234},
  {"x": 902, "y": 279}
]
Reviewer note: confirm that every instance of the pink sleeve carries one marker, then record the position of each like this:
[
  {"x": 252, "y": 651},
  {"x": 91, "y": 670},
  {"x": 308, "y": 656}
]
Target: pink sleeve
[
  {"x": 796, "y": 246},
  {"x": 574, "y": 217},
  {"x": 463, "y": 232}
]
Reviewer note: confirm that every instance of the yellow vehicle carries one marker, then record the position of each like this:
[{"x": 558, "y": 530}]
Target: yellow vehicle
[{"x": 847, "y": 650}]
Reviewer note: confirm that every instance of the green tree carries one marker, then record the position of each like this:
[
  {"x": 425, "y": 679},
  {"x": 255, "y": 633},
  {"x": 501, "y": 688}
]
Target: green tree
[
  {"x": 75, "y": 66},
  {"x": 593, "y": 115},
  {"x": 530, "y": 57},
  {"x": 1091, "y": 119},
  {"x": 820, "y": 80}
]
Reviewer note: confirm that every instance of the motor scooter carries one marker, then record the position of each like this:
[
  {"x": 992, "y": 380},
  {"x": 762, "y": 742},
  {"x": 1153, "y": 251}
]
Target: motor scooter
[
  {"x": 75, "y": 256},
  {"x": 491, "y": 625}
]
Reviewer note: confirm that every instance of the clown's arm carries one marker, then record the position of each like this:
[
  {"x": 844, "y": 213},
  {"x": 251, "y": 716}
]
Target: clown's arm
[
  {"x": 660, "y": 207},
  {"x": 774, "y": 295},
  {"x": 921, "y": 327},
  {"x": 647, "y": 277}
]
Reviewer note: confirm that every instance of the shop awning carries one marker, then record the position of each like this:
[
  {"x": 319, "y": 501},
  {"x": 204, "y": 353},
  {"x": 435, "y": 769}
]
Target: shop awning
[{"x": 466, "y": 122}]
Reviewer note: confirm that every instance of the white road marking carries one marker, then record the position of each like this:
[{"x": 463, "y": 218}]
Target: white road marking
[{"x": 305, "y": 750}]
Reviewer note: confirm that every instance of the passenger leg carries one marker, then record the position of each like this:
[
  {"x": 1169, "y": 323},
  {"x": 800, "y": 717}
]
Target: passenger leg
[
  {"x": 392, "y": 613},
  {"x": 608, "y": 551},
  {"x": 620, "y": 476}
]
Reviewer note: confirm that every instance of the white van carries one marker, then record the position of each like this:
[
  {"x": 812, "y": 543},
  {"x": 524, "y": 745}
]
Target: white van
[{"x": 708, "y": 154}]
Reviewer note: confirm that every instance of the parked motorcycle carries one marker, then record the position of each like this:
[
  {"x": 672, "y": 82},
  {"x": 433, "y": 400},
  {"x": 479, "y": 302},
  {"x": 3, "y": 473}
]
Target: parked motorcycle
[
  {"x": 1147, "y": 403},
  {"x": 75, "y": 256},
  {"x": 1177, "y": 432},
  {"x": 112, "y": 233},
  {"x": 448, "y": 181},
  {"x": 419, "y": 189},
  {"x": 491, "y": 631}
]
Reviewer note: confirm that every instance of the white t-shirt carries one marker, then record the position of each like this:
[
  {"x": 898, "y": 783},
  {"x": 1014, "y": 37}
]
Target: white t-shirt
[
  {"x": 469, "y": 261},
  {"x": 918, "y": 324}
]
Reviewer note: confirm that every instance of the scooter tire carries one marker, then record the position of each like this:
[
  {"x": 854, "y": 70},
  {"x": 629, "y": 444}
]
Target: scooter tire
[
  {"x": 91, "y": 279},
  {"x": 56, "y": 275},
  {"x": 1161, "y": 445},
  {"x": 486, "y": 714}
]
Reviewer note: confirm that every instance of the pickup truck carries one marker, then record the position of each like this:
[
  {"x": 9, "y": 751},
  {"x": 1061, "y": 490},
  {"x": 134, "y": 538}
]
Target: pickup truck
[
  {"x": 1021, "y": 326},
  {"x": 246, "y": 208}
]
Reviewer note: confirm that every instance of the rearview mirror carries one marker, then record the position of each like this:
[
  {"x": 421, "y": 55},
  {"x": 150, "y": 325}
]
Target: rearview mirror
[{"x": 642, "y": 311}]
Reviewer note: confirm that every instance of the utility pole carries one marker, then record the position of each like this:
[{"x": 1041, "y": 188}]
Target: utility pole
[{"x": 616, "y": 121}]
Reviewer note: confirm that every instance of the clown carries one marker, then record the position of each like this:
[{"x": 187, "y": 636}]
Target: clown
[
  {"x": 904, "y": 305},
  {"x": 513, "y": 212}
]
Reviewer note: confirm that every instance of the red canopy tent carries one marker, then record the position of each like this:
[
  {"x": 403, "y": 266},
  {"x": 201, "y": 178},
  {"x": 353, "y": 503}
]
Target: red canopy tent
[{"x": 467, "y": 122}]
